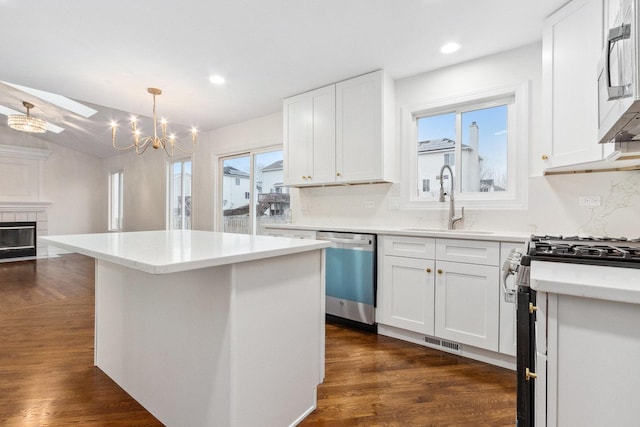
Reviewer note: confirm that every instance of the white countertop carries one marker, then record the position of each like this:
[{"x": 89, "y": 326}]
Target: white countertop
[
  {"x": 590, "y": 281},
  {"x": 160, "y": 252},
  {"x": 485, "y": 235}
]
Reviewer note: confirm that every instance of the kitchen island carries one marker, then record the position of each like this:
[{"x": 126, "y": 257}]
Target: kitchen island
[{"x": 209, "y": 329}]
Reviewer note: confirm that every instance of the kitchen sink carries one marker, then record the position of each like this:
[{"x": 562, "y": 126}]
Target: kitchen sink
[{"x": 442, "y": 230}]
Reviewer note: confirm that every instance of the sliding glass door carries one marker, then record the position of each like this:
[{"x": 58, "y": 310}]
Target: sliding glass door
[{"x": 253, "y": 193}]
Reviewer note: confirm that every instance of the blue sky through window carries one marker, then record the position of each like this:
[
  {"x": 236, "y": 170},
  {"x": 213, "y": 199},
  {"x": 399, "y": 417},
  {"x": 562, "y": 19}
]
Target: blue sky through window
[{"x": 492, "y": 132}]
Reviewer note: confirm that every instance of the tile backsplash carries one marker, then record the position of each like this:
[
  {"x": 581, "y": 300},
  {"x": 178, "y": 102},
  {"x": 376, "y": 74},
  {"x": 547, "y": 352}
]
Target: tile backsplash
[{"x": 553, "y": 207}]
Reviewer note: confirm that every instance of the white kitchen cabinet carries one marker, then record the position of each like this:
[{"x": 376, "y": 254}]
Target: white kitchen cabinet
[
  {"x": 408, "y": 293},
  {"x": 572, "y": 45},
  {"x": 309, "y": 137},
  {"x": 339, "y": 134},
  {"x": 592, "y": 356},
  {"x": 292, "y": 233},
  {"x": 467, "y": 303},
  {"x": 444, "y": 288},
  {"x": 364, "y": 126}
]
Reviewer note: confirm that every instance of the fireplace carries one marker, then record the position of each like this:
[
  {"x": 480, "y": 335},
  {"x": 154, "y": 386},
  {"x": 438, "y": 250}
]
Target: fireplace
[{"x": 17, "y": 239}]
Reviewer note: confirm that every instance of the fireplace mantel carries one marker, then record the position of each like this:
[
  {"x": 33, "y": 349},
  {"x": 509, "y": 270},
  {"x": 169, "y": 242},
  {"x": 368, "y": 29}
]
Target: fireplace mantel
[
  {"x": 22, "y": 188},
  {"x": 24, "y": 152},
  {"x": 23, "y": 206}
]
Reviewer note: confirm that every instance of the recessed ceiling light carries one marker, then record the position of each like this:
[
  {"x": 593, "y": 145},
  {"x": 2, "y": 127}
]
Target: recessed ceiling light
[
  {"x": 450, "y": 48},
  {"x": 216, "y": 79}
]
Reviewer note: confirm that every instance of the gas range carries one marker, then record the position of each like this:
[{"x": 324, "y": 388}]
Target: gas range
[{"x": 605, "y": 251}]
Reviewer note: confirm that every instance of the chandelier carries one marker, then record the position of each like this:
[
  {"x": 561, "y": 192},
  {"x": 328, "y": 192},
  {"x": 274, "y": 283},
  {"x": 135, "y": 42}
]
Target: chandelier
[
  {"x": 166, "y": 142},
  {"x": 27, "y": 123}
]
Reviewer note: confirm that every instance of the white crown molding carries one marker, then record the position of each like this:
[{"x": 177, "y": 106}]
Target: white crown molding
[{"x": 24, "y": 152}]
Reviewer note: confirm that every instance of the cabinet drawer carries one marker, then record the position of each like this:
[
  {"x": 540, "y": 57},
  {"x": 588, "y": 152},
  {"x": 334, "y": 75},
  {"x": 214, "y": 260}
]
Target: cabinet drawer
[
  {"x": 468, "y": 251},
  {"x": 412, "y": 247}
]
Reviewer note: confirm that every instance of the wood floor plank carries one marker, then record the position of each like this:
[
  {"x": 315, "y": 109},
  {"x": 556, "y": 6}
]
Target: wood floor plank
[{"x": 47, "y": 377}]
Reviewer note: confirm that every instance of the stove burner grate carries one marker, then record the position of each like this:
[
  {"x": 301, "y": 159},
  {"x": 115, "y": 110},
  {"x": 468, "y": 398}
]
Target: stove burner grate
[{"x": 572, "y": 248}]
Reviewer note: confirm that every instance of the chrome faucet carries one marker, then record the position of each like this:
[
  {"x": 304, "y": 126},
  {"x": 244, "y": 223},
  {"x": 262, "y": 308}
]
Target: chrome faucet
[{"x": 452, "y": 207}]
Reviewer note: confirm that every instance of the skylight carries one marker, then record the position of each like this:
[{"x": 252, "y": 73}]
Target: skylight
[{"x": 58, "y": 100}]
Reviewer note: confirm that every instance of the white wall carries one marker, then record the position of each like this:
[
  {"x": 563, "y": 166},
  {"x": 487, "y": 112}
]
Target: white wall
[
  {"x": 145, "y": 186},
  {"x": 77, "y": 183},
  {"x": 552, "y": 201},
  {"x": 72, "y": 182},
  {"x": 258, "y": 133}
]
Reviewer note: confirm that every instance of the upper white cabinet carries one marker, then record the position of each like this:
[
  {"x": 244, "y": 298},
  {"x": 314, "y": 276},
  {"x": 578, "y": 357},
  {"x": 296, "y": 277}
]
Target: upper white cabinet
[
  {"x": 309, "y": 133},
  {"x": 572, "y": 45},
  {"x": 342, "y": 133}
]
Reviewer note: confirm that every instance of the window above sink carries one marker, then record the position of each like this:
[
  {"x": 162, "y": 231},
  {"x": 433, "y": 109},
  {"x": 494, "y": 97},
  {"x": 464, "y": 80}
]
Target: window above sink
[{"x": 482, "y": 136}]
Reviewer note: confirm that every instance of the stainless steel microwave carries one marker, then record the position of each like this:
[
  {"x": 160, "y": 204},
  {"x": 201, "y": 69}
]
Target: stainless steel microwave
[{"x": 618, "y": 95}]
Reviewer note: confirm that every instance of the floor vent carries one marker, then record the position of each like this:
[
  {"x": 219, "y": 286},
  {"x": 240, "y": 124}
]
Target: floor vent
[
  {"x": 442, "y": 343},
  {"x": 433, "y": 341},
  {"x": 451, "y": 345}
]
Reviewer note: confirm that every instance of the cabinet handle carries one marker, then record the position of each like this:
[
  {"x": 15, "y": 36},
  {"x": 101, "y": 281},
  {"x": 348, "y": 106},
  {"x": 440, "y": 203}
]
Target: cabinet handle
[
  {"x": 439, "y": 271},
  {"x": 304, "y": 177},
  {"x": 528, "y": 374},
  {"x": 428, "y": 270},
  {"x": 309, "y": 177},
  {"x": 338, "y": 174},
  {"x": 545, "y": 157},
  {"x": 532, "y": 308}
]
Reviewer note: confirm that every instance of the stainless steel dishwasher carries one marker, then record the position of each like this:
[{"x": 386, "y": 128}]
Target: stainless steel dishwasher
[{"x": 350, "y": 276}]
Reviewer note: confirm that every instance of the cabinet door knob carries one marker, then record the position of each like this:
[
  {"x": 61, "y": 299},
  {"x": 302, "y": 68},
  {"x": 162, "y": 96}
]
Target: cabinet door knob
[
  {"x": 338, "y": 174},
  {"x": 428, "y": 270},
  {"x": 439, "y": 271},
  {"x": 532, "y": 308},
  {"x": 545, "y": 157},
  {"x": 304, "y": 177},
  {"x": 309, "y": 177},
  {"x": 528, "y": 374}
]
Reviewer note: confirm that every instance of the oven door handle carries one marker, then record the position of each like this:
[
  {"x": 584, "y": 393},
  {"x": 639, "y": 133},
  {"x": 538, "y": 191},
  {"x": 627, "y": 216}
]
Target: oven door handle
[
  {"x": 509, "y": 294},
  {"x": 510, "y": 268}
]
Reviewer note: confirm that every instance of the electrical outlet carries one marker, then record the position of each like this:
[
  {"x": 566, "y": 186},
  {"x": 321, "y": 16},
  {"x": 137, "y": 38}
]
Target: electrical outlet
[
  {"x": 590, "y": 201},
  {"x": 393, "y": 203}
]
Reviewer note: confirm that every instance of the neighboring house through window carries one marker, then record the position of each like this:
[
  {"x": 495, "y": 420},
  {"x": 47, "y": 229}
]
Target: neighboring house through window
[
  {"x": 252, "y": 193},
  {"x": 481, "y": 137}
]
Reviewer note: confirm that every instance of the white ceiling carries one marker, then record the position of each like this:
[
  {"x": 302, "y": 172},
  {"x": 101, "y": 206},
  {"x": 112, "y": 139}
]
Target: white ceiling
[{"x": 107, "y": 53}]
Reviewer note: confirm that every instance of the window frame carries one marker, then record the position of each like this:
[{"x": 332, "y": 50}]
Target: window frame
[
  {"x": 110, "y": 225},
  {"x": 517, "y": 147},
  {"x": 218, "y": 202},
  {"x": 169, "y": 195}
]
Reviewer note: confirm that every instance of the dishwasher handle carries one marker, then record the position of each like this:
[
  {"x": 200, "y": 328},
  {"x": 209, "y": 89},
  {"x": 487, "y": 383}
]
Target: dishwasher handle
[{"x": 347, "y": 241}]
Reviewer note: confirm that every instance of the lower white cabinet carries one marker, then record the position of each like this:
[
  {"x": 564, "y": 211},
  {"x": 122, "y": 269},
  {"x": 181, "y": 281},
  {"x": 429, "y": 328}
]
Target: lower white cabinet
[
  {"x": 467, "y": 304},
  {"x": 408, "y": 293},
  {"x": 447, "y": 288}
]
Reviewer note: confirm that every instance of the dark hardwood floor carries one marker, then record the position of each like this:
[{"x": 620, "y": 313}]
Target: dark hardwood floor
[{"x": 47, "y": 377}]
